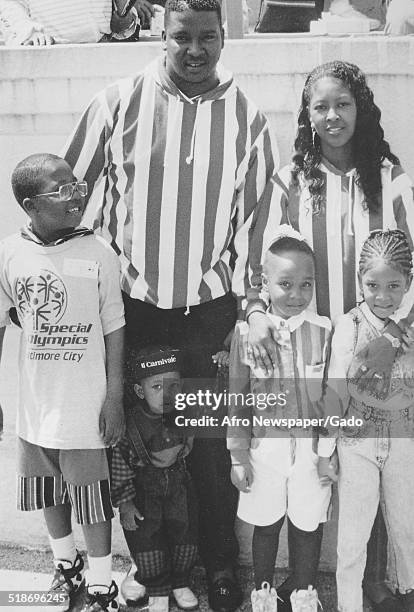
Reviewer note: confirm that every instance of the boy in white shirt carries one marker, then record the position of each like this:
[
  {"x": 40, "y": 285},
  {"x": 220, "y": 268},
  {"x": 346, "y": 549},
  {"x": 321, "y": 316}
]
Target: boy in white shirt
[{"x": 64, "y": 283}]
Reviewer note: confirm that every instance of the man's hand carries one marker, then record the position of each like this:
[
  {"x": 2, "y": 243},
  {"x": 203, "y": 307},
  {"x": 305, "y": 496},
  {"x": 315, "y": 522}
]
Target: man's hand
[
  {"x": 121, "y": 24},
  {"x": 112, "y": 420},
  {"x": 328, "y": 469},
  {"x": 145, "y": 10},
  {"x": 242, "y": 477},
  {"x": 129, "y": 515},
  {"x": 262, "y": 339},
  {"x": 39, "y": 39}
]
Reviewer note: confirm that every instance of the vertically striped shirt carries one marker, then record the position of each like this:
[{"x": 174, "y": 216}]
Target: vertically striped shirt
[
  {"x": 337, "y": 232},
  {"x": 65, "y": 20},
  {"x": 296, "y": 378},
  {"x": 181, "y": 179}
]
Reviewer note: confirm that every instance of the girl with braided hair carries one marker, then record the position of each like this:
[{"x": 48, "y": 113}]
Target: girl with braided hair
[
  {"x": 376, "y": 455},
  {"x": 342, "y": 183}
]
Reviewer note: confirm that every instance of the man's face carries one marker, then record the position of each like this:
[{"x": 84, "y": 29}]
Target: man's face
[{"x": 193, "y": 41}]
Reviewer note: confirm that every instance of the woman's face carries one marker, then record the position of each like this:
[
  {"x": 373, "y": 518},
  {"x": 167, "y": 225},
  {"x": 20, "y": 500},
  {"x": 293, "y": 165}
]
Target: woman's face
[{"x": 333, "y": 114}]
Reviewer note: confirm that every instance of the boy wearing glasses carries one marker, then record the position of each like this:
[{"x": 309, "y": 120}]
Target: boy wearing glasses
[{"x": 63, "y": 282}]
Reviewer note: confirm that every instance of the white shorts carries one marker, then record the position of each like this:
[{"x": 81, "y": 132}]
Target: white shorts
[{"x": 285, "y": 480}]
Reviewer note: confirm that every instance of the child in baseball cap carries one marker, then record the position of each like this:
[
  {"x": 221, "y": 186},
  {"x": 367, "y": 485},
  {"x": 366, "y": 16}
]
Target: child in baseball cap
[{"x": 151, "y": 484}]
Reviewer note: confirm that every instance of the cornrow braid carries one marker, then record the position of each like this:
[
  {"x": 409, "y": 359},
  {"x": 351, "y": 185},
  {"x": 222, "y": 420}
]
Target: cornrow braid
[{"x": 389, "y": 245}]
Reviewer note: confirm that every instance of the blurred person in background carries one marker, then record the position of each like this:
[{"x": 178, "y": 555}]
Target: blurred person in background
[
  {"x": 46, "y": 22},
  {"x": 400, "y": 17}
]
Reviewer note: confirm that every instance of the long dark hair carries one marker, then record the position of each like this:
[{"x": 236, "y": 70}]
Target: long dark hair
[{"x": 369, "y": 149}]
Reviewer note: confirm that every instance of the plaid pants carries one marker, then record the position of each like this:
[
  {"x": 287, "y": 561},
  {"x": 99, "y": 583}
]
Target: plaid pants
[{"x": 164, "y": 545}]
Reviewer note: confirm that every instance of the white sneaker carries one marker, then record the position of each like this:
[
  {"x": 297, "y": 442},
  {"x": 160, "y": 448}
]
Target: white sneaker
[
  {"x": 342, "y": 8},
  {"x": 264, "y": 599},
  {"x": 131, "y": 590},
  {"x": 158, "y": 604},
  {"x": 305, "y": 600},
  {"x": 185, "y": 598}
]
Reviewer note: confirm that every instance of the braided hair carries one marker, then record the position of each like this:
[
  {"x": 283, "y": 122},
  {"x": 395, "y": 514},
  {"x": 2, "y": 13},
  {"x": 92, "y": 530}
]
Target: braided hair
[
  {"x": 369, "y": 148},
  {"x": 389, "y": 245}
]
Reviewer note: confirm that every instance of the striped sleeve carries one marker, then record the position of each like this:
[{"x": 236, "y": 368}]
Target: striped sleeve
[
  {"x": 258, "y": 176},
  {"x": 122, "y": 477},
  {"x": 66, "y": 21},
  {"x": 402, "y": 192},
  {"x": 403, "y": 202},
  {"x": 86, "y": 150},
  {"x": 269, "y": 214},
  {"x": 238, "y": 436}
]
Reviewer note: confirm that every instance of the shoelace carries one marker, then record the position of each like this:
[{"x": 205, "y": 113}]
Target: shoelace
[
  {"x": 306, "y": 602},
  {"x": 102, "y": 599}
]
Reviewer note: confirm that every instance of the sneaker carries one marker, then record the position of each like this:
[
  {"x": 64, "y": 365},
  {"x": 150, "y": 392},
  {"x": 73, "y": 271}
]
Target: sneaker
[
  {"x": 67, "y": 580},
  {"x": 264, "y": 599},
  {"x": 185, "y": 599},
  {"x": 106, "y": 599},
  {"x": 305, "y": 601},
  {"x": 158, "y": 604},
  {"x": 224, "y": 594},
  {"x": 132, "y": 590},
  {"x": 343, "y": 8}
]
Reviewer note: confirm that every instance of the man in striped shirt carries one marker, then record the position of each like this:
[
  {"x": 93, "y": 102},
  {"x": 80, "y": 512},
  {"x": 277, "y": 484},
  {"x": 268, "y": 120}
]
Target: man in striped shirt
[{"x": 182, "y": 157}]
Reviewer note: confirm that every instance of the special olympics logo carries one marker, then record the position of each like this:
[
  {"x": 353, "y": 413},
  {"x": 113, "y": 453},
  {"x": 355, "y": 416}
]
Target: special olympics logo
[{"x": 41, "y": 298}]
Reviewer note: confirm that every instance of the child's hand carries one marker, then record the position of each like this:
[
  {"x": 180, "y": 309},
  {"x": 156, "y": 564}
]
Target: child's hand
[
  {"x": 227, "y": 340},
  {"x": 242, "y": 477},
  {"x": 408, "y": 339},
  {"x": 112, "y": 420},
  {"x": 128, "y": 515},
  {"x": 222, "y": 359},
  {"x": 328, "y": 469}
]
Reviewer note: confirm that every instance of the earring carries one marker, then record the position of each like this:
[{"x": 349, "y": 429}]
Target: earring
[{"x": 314, "y": 136}]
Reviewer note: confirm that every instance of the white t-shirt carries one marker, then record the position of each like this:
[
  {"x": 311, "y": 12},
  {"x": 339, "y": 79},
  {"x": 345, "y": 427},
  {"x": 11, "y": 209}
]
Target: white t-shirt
[{"x": 67, "y": 299}]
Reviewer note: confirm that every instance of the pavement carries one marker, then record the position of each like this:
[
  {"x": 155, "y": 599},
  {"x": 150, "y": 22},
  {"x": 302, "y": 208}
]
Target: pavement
[{"x": 13, "y": 582}]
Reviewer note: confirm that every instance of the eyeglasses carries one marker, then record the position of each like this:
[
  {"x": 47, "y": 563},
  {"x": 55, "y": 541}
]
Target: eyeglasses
[{"x": 66, "y": 191}]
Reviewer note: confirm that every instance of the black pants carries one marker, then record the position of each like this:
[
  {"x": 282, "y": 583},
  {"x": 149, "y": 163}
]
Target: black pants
[
  {"x": 164, "y": 545},
  {"x": 304, "y": 550},
  {"x": 199, "y": 334}
]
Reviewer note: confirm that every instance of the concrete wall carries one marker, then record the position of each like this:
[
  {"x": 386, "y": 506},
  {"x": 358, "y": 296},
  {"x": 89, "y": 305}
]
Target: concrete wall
[{"x": 42, "y": 92}]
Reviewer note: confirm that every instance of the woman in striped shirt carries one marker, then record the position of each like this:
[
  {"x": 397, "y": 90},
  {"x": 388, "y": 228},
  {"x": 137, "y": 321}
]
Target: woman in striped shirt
[{"x": 343, "y": 182}]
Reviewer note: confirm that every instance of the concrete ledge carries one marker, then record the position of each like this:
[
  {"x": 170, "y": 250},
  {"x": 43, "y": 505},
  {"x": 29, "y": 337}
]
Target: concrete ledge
[{"x": 43, "y": 90}]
